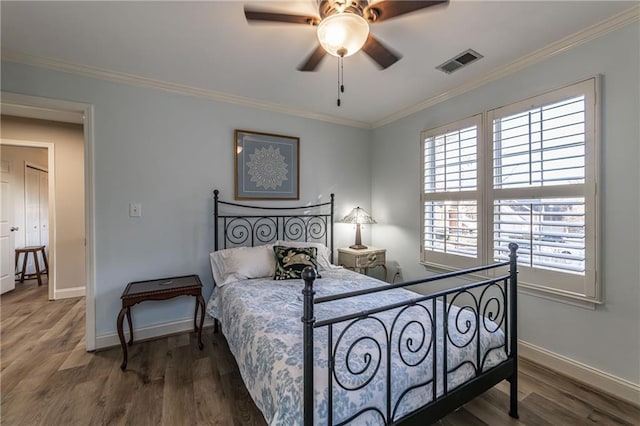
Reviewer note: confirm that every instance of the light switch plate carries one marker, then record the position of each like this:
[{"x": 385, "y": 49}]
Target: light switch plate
[{"x": 135, "y": 210}]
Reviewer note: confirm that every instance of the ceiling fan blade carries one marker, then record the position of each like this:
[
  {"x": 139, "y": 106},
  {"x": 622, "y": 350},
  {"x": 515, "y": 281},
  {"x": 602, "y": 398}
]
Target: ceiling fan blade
[
  {"x": 387, "y": 9},
  {"x": 257, "y": 15},
  {"x": 380, "y": 53},
  {"x": 313, "y": 60}
]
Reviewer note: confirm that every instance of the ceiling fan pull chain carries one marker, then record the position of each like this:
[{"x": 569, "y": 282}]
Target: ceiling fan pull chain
[
  {"x": 339, "y": 79},
  {"x": 342, "y": 74}
]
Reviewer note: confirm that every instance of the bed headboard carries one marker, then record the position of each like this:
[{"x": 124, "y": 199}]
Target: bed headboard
[{"x": 237, "y": 225}]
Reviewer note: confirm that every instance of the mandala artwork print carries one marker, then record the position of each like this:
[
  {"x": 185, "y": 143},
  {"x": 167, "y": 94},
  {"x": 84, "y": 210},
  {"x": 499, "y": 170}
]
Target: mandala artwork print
[{"x": 267, "y": 168}]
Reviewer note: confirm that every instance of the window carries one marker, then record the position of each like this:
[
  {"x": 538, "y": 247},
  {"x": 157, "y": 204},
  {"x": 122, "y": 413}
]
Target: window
[
  {"x": 540, "y": 165},
  {"x": 451, "y": 197}
]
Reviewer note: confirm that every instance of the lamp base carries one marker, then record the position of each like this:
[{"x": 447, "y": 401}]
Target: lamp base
[{"x": 358, "y": 247}]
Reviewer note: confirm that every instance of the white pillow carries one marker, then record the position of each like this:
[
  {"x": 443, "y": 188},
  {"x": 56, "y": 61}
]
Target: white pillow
[
  {"x": 323, "y": 252},
  {"x": 242, "y": 263}
]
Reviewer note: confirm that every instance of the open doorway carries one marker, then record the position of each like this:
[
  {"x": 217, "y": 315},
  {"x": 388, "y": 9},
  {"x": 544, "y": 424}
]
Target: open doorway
[
  {"x": 26, "y": 167},
  {"x": 46, "y": 160},
  {"x": 25, "y": 215},
  {"x": 62, "y": 113}
]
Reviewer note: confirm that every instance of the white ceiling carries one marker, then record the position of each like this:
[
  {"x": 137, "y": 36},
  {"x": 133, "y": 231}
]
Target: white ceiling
[{"x": 210, "y": 46}]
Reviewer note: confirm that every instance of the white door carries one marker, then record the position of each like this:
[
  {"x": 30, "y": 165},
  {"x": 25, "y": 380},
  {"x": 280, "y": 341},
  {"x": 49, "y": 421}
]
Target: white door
[
  {"x": 7, "y": 247},
  {"x": 36, "y": 199}
]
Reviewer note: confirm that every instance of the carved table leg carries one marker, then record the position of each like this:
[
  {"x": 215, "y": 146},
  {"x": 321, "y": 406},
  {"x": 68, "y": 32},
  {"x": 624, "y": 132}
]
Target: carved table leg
[
  {"x": 195, "y": 316},
  {"x": 123, "y": 366},
  {"x": 130, "y": 325},
  {"x": 200, "y": 300}
]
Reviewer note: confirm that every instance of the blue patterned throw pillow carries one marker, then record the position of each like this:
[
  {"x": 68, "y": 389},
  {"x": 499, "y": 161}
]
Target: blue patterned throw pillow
[{"x": 291, "y": 261}]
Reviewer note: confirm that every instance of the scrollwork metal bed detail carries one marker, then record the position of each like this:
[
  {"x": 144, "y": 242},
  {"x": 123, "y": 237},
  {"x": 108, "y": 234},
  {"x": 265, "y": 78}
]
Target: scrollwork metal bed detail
[
  {"x": 417, "y": 333},
  {"x": 313, "y": 222},
  {"x": 484, "y": 307}
]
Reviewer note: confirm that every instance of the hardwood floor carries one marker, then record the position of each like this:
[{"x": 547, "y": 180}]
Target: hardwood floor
[{"x": 47, "y": 378}]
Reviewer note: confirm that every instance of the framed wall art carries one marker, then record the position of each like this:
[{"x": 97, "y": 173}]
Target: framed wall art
[{"x": 267, "y": 166}]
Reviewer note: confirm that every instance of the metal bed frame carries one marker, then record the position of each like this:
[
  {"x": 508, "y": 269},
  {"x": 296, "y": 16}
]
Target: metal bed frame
[{"x": 492, "y": 298}]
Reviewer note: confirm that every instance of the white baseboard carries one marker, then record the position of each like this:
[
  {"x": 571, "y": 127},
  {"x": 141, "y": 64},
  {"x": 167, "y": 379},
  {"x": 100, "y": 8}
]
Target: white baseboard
[
  {"x": 609, "y": 383},
  {"x": 67, "y": 293},
  {"x": 158, "y": 330}
]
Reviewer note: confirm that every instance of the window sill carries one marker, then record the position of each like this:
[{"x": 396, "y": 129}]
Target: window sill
[
  {"x": 559, "y": 296},
  {"x": 528, "y": 289}
]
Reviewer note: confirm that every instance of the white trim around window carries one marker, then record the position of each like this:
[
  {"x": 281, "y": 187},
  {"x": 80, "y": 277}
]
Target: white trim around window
[{"x": 527, "y": 172}]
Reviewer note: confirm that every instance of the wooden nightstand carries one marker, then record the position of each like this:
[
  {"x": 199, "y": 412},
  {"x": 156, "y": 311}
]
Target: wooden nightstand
[{"x": 361, "y": 260}]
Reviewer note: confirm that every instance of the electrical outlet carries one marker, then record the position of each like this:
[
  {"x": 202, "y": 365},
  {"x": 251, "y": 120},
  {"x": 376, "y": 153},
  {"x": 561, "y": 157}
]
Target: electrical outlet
[
  {"x": 397, "y": 275},
  {"x": 135, "y": 210}
]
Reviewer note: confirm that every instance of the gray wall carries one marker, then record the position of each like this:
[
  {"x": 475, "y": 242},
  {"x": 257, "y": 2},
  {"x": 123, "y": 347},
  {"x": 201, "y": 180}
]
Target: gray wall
[
  {"x": 168, "y": 152},
  {"x": 607, "y": 338}
]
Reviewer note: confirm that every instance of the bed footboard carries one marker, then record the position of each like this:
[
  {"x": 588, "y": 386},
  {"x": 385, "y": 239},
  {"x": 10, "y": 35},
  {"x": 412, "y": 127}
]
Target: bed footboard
[{"x": 419, "y": 334}]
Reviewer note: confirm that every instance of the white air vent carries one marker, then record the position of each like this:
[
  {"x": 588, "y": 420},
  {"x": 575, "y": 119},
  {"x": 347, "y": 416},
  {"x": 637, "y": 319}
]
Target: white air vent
[{"x": 464, "y": 58}]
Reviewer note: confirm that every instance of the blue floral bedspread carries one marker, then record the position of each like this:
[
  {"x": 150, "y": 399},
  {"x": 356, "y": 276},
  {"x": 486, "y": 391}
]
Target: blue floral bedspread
[{"x": 261, "y": 320}]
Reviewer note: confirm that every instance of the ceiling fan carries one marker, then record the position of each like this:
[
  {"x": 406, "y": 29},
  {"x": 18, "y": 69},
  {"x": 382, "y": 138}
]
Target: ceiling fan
[{"x": 343, "y": 27}]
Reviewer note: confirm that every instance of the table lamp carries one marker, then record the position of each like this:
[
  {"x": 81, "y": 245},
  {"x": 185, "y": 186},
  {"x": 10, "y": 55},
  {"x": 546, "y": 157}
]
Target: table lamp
[{"x": 358, "y": 216}]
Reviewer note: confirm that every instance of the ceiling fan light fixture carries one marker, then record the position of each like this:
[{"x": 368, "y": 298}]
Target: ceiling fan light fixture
[{"x": 343, "y": 34}]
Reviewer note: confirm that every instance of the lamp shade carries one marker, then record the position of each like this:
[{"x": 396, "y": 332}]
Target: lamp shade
[
  {"x": 358, "y": 215},
  {"x": 343, "y": 34}
]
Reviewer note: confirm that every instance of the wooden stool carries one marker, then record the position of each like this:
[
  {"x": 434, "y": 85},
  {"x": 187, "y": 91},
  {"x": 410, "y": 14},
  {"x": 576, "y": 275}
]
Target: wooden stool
[{"x": 34, "y": 250}]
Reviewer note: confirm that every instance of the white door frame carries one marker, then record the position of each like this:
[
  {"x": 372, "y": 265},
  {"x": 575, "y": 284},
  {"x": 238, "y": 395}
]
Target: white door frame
[
  {"x": 40, "y": 106},
  {"x": 52, "y": 278}
]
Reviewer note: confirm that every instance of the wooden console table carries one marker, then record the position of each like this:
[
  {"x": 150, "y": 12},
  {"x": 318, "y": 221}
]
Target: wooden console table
[{"x": 162, "y": 289}]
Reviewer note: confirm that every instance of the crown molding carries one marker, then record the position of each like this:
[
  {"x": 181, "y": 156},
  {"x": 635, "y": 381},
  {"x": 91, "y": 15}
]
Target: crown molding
[
  {"x": 11, "y": 55},
  {"x": 585, "y": 35}
]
